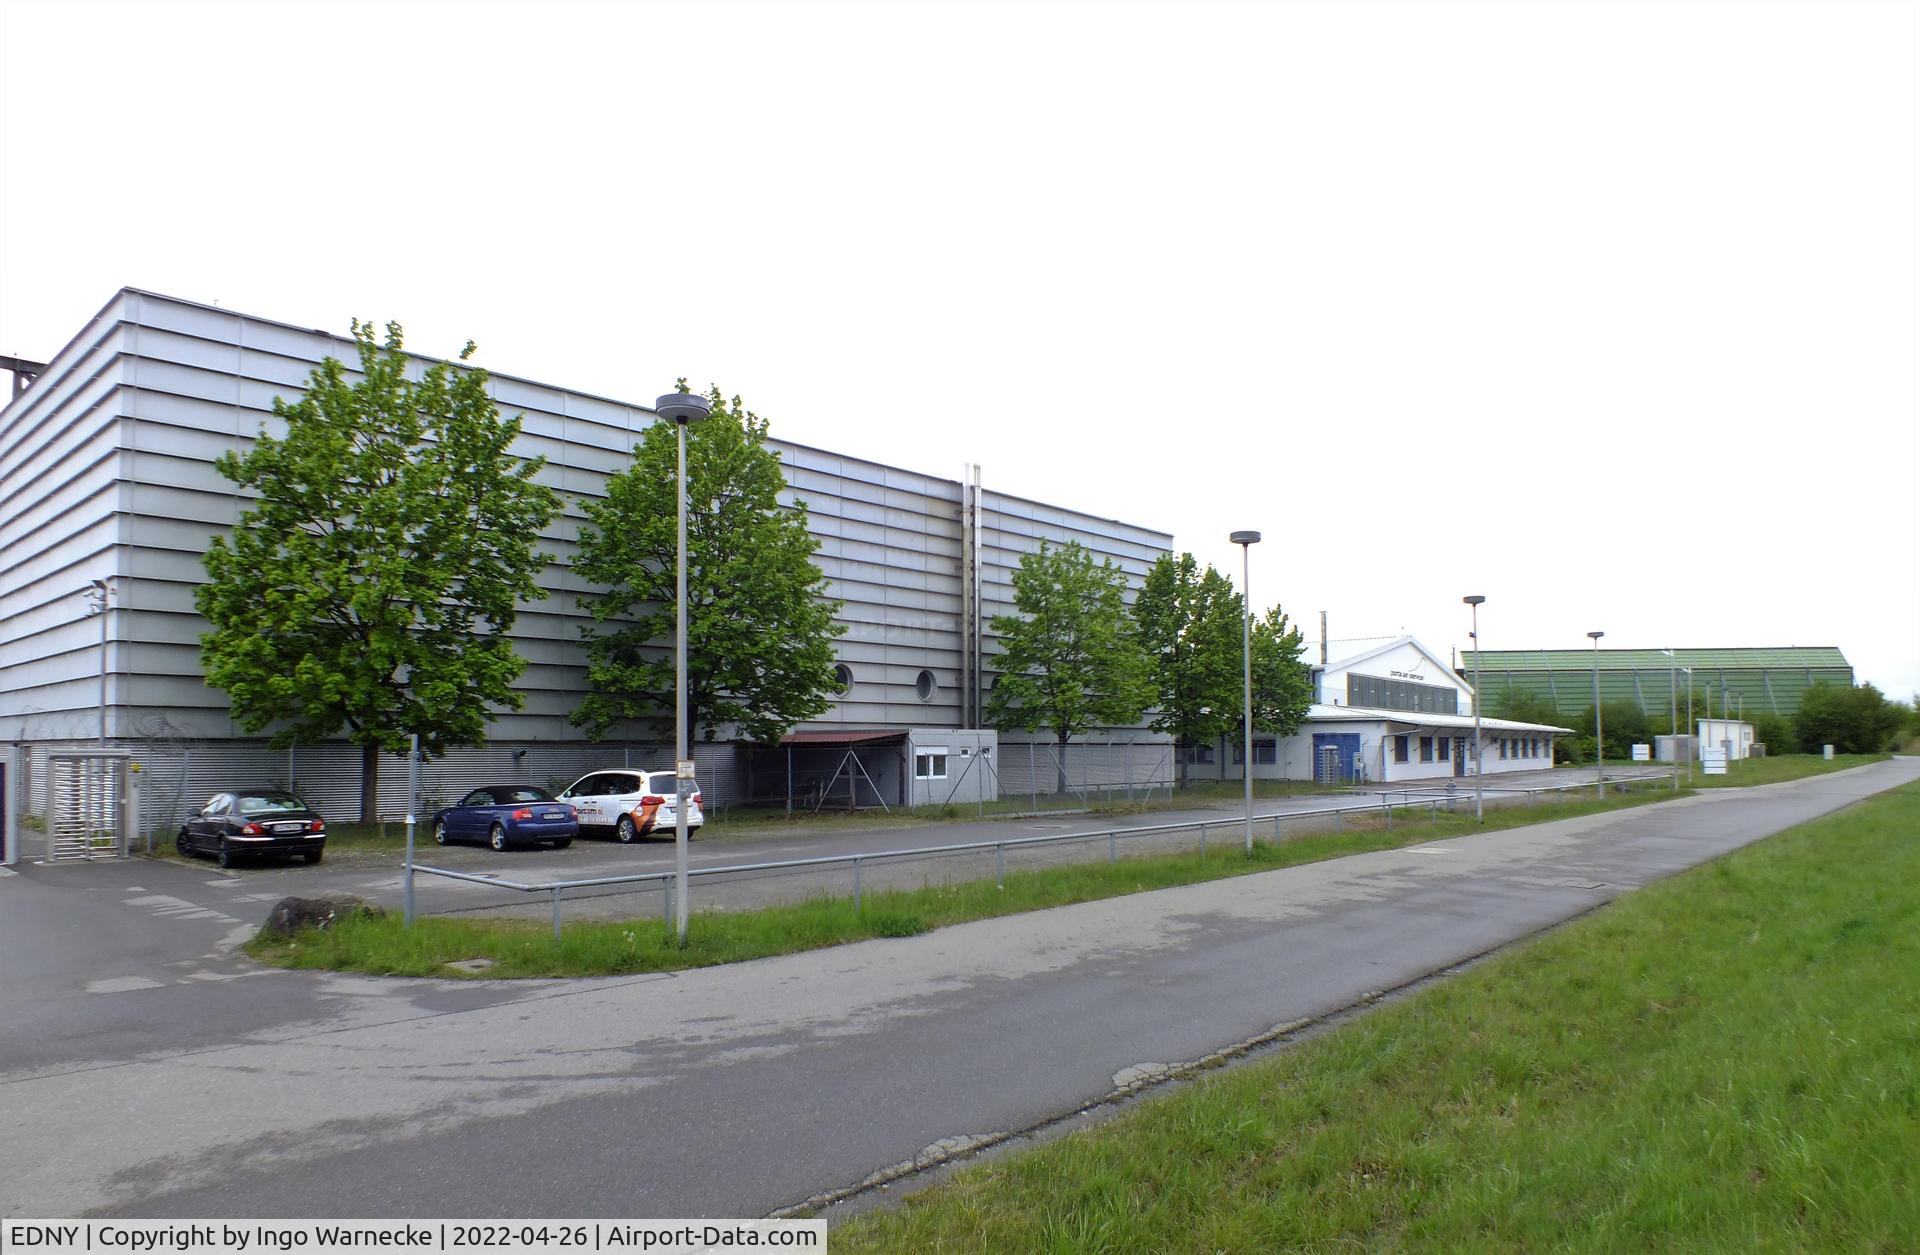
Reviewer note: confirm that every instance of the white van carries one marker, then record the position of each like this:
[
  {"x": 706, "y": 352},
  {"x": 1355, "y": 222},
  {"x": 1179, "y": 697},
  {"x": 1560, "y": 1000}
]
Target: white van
[{"x": 629, "y": 803}]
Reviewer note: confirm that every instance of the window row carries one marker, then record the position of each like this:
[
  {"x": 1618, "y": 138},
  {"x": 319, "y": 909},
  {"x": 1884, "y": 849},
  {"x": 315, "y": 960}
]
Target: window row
[{"x": 925, "y": 685}]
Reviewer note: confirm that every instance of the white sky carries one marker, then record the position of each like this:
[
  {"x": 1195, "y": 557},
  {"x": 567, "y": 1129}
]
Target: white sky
[{"x": 1610, "y": 312}]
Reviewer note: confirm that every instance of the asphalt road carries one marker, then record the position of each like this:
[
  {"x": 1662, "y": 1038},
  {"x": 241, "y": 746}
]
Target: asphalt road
[{"x": 184, "y": 1084}]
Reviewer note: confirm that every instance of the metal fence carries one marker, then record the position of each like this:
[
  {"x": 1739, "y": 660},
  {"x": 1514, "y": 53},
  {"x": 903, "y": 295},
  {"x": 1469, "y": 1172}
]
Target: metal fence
[{"x": 1431, "y": 801}]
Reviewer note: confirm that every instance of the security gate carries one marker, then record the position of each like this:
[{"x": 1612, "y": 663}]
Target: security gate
[{"x": 86, "y": 806}]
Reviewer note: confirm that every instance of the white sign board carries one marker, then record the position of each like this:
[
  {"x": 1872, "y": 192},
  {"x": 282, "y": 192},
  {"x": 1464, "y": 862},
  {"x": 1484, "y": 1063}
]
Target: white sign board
[
  {"x": 1643, "y": 753},
  {"x": 1826, "y": 751},
  {"x": 684, "y": 769},
  {"x": 1714, "y": 761}
]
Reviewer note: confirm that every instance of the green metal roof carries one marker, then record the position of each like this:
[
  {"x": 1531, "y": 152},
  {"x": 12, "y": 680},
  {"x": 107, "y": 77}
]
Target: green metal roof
[
  {"x": 1820, "y": 656},
  {"x": 1751, "y": 680}
]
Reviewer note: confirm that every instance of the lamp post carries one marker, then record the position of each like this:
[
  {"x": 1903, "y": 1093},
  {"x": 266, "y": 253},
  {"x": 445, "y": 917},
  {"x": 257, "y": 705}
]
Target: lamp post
[
  {"x": 680, "y": 408},
  {"x": 1599, "y": 738},
  {"x": 1479, "y": 803},
  {"x": 1691, "y": 756},
  {"x": 1246, "y": 541},
  {"x": 99, "y": 596}
]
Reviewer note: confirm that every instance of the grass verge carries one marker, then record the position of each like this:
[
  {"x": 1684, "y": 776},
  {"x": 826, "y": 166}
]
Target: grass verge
[
  {"x": 1750, "y": 771},
  {"x": 524, "y": 948},
  {"x": 1728, "y": 1060}
]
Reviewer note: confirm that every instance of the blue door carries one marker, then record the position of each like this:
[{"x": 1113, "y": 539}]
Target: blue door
[{"x": 1335, "y": 768}]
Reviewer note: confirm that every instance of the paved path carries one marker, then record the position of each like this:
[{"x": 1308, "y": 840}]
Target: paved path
[{"x": 741, "y": 1090}]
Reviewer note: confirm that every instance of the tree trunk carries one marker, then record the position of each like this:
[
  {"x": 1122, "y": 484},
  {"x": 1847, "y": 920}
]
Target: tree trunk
[
  {"x": 1061, "y": 764},
  {"x": 369, "y": 783}
]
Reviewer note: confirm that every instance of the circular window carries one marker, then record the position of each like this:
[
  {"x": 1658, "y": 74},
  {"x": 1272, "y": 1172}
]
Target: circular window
[
  {"x": 924, "y": 685},
  {"x": 842, "y": 677}
]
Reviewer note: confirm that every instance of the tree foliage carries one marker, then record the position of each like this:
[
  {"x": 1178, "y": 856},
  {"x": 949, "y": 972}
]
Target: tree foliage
[
  {"x": 759, "y": 628},
  {"x": 1522, "y": 706},
  {"x": 1854, "y": 720},
  {"x": 1623, "y": 723},
  {"x": 372, "y": 583},
  {"x": 1071, "y": 658},
  {"x": 1282, "y": 681},
  {"x": 1188, "y": 623}
]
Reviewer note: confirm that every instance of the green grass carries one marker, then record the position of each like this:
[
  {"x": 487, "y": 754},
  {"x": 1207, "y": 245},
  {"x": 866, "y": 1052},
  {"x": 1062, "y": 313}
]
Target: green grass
[
  {"x": 526, "y": 948},
  {"x": 1749, "y": 771},
  {"x": 1726, "y": 1061}
]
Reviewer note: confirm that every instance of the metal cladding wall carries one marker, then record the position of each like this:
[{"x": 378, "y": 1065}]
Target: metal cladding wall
[
  {"x": 1754, "y": 680},
  {"x": 107, "y": 471}
]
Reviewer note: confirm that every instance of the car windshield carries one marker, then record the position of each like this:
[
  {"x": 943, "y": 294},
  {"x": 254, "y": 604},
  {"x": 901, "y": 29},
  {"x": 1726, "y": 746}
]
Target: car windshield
[
  {"x": 527, "y": 794},
  {"x": 270, "y": 804}
]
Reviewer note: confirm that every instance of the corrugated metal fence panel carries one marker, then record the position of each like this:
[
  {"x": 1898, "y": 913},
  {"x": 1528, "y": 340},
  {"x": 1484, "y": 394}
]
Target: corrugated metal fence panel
[{"x": 1034, "y": 767}]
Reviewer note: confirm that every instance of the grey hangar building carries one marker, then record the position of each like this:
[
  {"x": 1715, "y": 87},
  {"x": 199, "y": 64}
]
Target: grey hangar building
[{"x": 107, "y": 474}]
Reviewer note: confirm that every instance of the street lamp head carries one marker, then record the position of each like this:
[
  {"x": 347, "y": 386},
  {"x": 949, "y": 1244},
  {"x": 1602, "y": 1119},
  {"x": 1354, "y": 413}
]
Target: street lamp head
[
  {"x": 1474, "y": 600},
  {"x": 1596, "y": 635},
  {"x": 682, "y": 407},
  {"x": 1245, "y": 538}
]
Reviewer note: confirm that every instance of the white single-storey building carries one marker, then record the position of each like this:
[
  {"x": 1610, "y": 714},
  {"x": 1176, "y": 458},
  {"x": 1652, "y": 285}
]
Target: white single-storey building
[{"x": 1394, "y": 713}]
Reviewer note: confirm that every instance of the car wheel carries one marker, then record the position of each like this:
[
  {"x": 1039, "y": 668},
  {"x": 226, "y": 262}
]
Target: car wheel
[
  {"x": 439, "y": 832},
  {"x": 225, "y": 855},
  {"x": 181, "y": 844},
  {"x": 561, "y": 843},
  {"x": 312, "y": 856},
  {"x": 497, "y": 838},
  {"x": 625, "y": 831}
]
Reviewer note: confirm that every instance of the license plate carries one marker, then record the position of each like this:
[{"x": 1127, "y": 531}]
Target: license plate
[
  {"x": 553, "y": 814},
  {"x": 288, "y": 827}
]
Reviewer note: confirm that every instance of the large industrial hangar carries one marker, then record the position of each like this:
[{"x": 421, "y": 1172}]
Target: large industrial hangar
[
  {"x": 1391, "y": 714},
  {"x": 1734, "y": 681},
  {"x": 106, "y": 473}
]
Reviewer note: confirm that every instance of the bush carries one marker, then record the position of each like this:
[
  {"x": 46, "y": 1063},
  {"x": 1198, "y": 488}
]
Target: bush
[
  {"x": 1776, "y": 733},
  {"x": 1852, "y": 720}
]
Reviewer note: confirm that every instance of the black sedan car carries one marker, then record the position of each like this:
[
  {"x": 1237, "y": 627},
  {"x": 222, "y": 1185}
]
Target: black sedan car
[
  {"x": 505, "y": 815},
  {"x": 248, "y": 822}
]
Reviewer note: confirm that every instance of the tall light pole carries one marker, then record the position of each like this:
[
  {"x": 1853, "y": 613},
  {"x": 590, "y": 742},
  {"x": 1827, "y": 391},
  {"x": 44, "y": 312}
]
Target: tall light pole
[
  {"x": 1479, "y": 803},
  {"x": 1691, "y": 756},
  {"x": 680, "y": 408},
  {"x": 1599, "y": 737},
  {"x": 1246, "y": 541},
  {"x": 99, "y": 596}
]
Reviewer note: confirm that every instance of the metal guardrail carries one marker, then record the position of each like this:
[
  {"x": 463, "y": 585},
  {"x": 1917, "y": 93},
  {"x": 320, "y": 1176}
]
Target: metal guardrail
[{"x": 1432, "y": 800}]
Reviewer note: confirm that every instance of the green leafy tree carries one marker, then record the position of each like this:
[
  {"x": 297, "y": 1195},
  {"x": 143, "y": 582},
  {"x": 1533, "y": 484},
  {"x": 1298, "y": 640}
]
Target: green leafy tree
[
  {"x": 1775, "y": 732},
  {"x": 1188, "y": 622},
  {"x": 1624, "y": 724},
  {"x": 759, "y": 628},
  {"x": 372, "y": 584},
  {"x": 1521, "y": 706},
  {"x": 1852, "y": 719},
  {"x": 1282, "y": 681},
  {"x": 1071, "y": 659}
]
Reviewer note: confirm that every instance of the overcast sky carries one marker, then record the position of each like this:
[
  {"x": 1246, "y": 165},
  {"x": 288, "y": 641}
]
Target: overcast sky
[{"x": 1609, "y": 312}]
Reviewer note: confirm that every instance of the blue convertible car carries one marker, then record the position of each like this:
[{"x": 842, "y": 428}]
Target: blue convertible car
[{"x": 506, "y": 815}]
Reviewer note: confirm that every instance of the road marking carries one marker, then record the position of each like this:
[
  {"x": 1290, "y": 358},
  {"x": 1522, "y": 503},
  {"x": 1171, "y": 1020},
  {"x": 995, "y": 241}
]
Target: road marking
[
  {"x": 162, "y": 904},
  {"x": 120, "y": 985},
  {"x": 1428, "y": 849}
]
